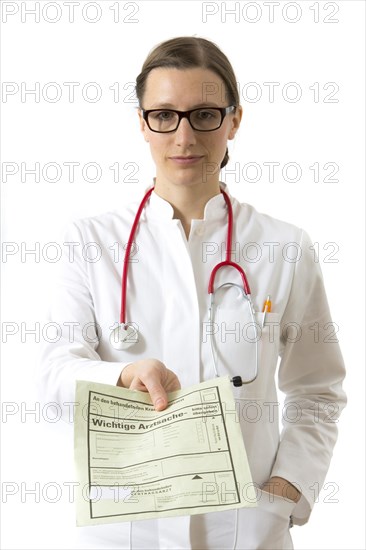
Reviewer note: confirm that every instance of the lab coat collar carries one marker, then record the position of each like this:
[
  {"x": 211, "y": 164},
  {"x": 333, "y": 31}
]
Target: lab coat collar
[{"x": 159, "y": 208}]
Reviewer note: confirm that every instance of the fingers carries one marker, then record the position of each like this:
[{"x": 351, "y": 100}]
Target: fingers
[
  {"x": 151, "y": 383},
  {"x": 152, "y": 376}
]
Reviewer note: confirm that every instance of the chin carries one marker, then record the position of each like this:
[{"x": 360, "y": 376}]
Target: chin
[
  {"x": 186, "y": 180},
  {"x": 190, "y": 177}
]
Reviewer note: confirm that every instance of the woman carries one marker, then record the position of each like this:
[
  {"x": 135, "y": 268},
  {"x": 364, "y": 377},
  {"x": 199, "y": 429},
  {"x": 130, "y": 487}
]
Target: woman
[{"x": 188, "y": 110}]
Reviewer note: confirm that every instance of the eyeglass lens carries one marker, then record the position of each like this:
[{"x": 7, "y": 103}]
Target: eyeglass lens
[{"x": 200, "y": 119}]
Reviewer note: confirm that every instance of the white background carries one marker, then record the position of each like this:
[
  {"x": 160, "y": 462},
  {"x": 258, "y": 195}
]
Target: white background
[{"x": 36, "y": 453}]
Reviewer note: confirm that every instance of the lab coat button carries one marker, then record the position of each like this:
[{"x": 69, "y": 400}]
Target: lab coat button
[{"x": 200, "y": 231}]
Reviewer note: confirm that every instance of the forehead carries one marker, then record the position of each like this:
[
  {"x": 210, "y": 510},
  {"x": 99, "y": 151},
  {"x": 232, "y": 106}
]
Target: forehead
[{"x": 183, "y": 88}]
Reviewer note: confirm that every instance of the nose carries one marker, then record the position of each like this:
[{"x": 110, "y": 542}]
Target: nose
[{"x": 185, "y": 135}]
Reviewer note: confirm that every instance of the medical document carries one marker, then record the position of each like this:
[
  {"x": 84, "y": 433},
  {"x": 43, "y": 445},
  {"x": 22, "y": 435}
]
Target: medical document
[{"x": 134, "y": 463}]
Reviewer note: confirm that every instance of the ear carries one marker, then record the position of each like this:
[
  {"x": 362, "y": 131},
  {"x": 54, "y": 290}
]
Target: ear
[
  {"x": 235, "y": 121},
  {"x": 143, "y": 125}
]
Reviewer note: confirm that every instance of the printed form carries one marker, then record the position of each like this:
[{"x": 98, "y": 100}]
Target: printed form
[{"x": 134, "y": 463}]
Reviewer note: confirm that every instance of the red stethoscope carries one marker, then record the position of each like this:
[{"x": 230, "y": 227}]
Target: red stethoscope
[{"x": 125, "y": 334}]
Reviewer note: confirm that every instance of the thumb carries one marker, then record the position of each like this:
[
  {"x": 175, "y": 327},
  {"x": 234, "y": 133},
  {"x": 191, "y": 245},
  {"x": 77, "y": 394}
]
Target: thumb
[
  {"x": 156, "y": 391},
  {"x": 158, "y": 394}
]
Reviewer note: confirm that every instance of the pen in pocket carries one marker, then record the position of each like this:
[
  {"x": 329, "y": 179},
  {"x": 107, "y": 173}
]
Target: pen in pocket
[{"x": 266, "y": 308}]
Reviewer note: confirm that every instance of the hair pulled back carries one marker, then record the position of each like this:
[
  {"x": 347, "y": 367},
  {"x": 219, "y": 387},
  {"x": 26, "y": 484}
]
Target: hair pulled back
[{"x": 190, "y": 52}]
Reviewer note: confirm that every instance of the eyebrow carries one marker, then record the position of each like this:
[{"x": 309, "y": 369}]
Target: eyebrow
[{"x": 171, "y": 106}]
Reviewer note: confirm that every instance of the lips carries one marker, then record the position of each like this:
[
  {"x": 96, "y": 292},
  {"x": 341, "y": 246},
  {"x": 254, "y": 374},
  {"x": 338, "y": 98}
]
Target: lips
[
  {"x": 189, "y": 159},
  {"x": 186, "y": 157}
]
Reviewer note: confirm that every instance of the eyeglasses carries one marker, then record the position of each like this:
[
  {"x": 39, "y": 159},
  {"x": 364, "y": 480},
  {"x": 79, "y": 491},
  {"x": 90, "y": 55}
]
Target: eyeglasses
[{"x": 205, "y": 119}]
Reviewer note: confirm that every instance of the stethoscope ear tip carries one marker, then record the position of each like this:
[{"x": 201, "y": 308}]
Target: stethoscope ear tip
[{"x": 237, "y": 381}]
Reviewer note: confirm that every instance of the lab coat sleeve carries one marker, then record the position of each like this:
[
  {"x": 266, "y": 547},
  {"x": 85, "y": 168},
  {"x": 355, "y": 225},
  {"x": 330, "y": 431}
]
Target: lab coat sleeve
[
  {"x": 310, "y": 375},
  {"x": 72, "y": 353}
]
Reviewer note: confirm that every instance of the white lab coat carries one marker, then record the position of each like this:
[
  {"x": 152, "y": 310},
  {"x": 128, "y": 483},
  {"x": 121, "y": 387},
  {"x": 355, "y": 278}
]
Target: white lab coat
[{"x": 167, "y": 298}]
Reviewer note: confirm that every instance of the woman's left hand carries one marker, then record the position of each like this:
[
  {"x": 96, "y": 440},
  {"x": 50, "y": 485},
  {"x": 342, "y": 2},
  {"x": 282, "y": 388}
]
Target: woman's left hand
[{"x": 281, "y": 487}]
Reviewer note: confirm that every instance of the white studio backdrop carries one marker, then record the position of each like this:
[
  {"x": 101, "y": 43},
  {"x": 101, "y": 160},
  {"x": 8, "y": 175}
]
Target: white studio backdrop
[{"x": 299, "y": 156}]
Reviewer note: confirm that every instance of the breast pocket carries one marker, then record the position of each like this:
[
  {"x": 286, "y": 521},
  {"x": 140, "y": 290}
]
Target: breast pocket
[{"x": 247, "y": 348}]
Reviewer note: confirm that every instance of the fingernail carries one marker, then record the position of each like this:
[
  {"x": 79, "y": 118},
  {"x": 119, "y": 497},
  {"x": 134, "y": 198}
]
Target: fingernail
[{"x": 159, "y": 403}]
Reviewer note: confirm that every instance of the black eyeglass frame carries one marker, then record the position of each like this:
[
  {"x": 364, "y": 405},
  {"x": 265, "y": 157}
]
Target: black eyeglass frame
[{"x": 186, "y": 114}]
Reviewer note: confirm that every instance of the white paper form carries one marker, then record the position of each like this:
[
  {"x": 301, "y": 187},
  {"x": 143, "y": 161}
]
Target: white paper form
[{"x": 136, "y": 463}]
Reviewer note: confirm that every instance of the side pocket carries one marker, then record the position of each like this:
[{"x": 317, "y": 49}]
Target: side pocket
[
  {"x": 276, "y": 505},
  {"x": 267, "y": 526}
]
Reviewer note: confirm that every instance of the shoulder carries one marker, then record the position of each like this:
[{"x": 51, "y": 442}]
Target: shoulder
[
  {"x": 114, "y": 222},
  {"x": 263, "y": 226}
]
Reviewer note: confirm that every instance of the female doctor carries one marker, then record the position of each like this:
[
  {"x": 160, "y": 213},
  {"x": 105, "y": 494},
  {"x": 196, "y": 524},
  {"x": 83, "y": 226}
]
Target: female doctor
[{"x": 185, "y": 227}]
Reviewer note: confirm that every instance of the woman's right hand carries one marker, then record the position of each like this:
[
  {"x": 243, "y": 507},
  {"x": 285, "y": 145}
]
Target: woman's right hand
[{"x": 150, "y": 375}]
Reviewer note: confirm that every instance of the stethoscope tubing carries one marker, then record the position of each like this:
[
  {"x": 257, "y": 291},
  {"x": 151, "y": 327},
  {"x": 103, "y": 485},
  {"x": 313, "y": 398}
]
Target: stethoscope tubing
[
  {"x": 226, "y": 263},
  {"x": 245, "y": 289},
  {"x": 126, "y": 260}
]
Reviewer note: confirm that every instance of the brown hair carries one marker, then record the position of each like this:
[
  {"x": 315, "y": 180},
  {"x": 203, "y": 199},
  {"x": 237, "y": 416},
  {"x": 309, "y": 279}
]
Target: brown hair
[{"x": 185, "y": 52}]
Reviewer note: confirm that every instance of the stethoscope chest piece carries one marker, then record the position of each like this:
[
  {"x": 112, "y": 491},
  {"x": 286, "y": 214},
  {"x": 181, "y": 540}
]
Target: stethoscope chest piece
[
  {"x": 123, "y": 337},
  {"x": 126, "y": 335}
]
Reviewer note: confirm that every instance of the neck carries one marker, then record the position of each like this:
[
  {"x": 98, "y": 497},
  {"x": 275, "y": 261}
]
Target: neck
[{"x": 188, "y": 202}]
